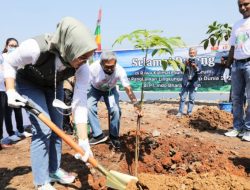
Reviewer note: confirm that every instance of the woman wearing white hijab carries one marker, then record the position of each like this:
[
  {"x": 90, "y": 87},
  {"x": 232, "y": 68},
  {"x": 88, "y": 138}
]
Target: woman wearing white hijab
[{"x": 38, "y": 67}]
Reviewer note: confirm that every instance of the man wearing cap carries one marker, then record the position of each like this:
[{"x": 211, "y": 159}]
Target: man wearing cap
[{"x": 104, "y": 75}]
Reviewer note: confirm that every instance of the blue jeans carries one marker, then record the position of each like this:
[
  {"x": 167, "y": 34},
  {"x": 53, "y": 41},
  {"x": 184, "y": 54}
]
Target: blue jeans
[
  {"x": 94, "y": 95},
  {"x": 191, "y": 90},
  {"x": 45, "y": 146},
  {"x": 240, "y": 84}
]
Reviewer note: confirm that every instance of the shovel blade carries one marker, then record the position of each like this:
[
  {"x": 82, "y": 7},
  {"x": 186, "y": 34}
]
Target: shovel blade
[
  {"x": 115, "y": 184},
  {"x": 117, "y": 180},
  {"x": 124, "y": 178}
]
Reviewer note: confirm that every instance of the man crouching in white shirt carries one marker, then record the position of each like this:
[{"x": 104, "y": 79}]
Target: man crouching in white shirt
[{"x": 104, "y": 75}]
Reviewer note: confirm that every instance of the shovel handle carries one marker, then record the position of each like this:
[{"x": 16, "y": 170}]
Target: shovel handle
[{"x": 66, "y": 138}]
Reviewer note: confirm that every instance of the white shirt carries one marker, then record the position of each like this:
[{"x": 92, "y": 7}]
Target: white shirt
[
  {"x": 105, "y": 82},
  {"x": 28, "y": 52},
  {"x": 240, "y": 39}
]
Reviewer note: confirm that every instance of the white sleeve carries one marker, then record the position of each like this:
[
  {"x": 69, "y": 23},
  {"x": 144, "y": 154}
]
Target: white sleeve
[
  {"x": 80, "y": 111},
  {"x": 123, "y": 77},
  {"x": 27, "y": 53},
  {"x": 232, "y": 37},
  {"x": 91, "y": 72}
]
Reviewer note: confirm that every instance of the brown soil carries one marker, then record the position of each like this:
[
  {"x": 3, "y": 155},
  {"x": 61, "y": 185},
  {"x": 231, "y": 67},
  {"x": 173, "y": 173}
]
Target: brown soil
[{"x": 190, "y": 153}]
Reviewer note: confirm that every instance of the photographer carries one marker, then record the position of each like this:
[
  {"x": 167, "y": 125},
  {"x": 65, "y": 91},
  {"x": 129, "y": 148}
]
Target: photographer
[{"x": 189, "y": 82}]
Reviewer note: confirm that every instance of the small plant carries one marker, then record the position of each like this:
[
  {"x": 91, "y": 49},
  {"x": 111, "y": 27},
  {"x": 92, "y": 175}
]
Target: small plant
[
  {"x": 217, "y": 33},
  {"x": 146, "y": 40},
  {"x": 150, "y": 39}
]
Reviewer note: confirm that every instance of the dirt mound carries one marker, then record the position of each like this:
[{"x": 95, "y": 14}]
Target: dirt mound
[
  {"x": 208, "y": 118},
  {"x": 174, "y": 156}
]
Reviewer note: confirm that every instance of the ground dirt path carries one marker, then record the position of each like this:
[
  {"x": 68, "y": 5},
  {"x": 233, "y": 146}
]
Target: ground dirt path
[{"x": 190, "y": 153}]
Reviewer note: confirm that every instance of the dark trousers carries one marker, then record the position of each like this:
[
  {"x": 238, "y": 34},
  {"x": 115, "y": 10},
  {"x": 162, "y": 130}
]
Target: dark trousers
[
  {"x": 6, "y": 113},
  {"x": 3, "y": 103},
  {"x": 18, "y": 117},
  {"x": 68, "y": 95}
]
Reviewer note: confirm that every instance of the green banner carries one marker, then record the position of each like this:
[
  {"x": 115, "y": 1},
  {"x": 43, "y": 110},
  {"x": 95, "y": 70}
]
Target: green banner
[{"x": 158, "y": 80}]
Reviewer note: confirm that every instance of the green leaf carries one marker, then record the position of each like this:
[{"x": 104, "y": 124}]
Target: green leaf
[
  {"x": 154, "y": 52},
  {"x": 218, "y": 42},
  {"x": 176, "y": 41},
  {"x": 164, "y": 64},
  {"x": 203, "y": 41},
  {"x": 212, "y": 41},
  {"x": 206, "y": 44},
  {"x": 226, "y": 37},
  {"x": 173, "y": 63},
  {"x": 217, "y": 33},
  {"x": 180, "y": 65}
]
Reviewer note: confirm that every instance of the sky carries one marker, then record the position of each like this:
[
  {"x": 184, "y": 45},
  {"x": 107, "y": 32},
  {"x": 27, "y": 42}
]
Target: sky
[{"x": 189, "y": 19}]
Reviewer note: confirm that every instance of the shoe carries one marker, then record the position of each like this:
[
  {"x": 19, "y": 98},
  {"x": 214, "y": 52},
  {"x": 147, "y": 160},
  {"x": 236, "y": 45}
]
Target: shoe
[
  {"x": 47, "y": 186},
  {"x": 189, "y": 114},
  {"x": 115, "y": 142},
  {"x": 62, "y": 177},
  {"x": 246, "y": 136},
  {"x": 14, "y": 138},
  {"x": 241, "y": 134},
  {"x": 99, "y": 139},
  {"x": 232, "y": 133},
  {"x": 5, "y": 146},
  {"x": 179, "y": 114},
  {"x": 24, "y": 134}
]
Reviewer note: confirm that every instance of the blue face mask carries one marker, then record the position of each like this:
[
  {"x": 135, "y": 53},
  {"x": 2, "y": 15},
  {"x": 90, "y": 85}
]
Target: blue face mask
[{"x": 11, "y": 49}]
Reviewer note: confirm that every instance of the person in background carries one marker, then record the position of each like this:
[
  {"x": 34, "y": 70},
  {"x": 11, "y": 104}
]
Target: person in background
[
  {"x": 189, "y": 82},
  {"x": 44, "y": 62},
  {"x": 239, "y": 60},
  {"x": 10, "y": 45},
  {"x": 3, "y": 105},
  {"x": 68, "y": 88},
  {"x": 104, "y": 74}
]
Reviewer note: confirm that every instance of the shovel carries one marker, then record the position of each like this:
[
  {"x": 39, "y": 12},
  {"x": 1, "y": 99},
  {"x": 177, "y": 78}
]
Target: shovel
[{"x": 115, "y": 180}]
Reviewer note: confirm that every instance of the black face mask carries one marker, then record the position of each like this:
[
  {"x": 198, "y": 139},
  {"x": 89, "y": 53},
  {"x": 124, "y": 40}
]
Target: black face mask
[{"x": 108, "y": 72}]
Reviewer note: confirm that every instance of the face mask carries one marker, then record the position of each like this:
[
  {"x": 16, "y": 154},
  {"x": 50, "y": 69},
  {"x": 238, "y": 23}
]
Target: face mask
[
  {"x": 108, "y": 72},
  {"x": 11, "y": 49}
]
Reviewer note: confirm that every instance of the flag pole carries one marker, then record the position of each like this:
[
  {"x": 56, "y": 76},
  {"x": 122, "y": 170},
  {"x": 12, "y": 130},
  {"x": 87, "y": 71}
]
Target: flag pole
[{"x": 98, "y": 30}]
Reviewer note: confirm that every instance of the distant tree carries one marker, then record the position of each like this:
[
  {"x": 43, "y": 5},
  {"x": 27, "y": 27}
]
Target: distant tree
[{"x": 217, "y": 33}]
